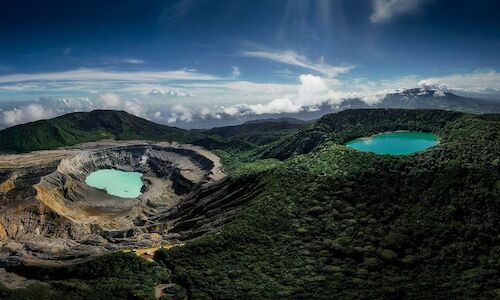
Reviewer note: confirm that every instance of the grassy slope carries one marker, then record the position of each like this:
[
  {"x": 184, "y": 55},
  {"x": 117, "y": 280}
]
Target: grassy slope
[{"x": 340, "y": 223}]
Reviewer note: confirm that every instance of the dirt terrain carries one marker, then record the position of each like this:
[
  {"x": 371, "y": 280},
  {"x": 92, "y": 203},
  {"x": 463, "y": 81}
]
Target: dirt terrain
[{"x": 48, "y": 215}]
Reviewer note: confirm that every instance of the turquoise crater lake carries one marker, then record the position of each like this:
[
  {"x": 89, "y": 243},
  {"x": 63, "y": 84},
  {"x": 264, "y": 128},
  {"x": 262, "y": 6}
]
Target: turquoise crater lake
[
  {"x": 395, "y": 143},
  {"x": 117, "y": 183}
]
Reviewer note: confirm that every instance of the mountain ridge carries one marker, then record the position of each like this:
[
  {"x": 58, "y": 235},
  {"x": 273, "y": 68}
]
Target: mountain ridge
[
  {"x": 79, "y": 127},
  {"x": 74, "y": 128},
  {"x": 322, "y": 220},
  {"x": 418, "y": 98}
]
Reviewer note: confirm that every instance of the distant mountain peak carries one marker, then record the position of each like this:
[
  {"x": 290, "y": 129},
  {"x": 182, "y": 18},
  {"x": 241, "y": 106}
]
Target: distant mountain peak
[{"x": 418, "y": 92}]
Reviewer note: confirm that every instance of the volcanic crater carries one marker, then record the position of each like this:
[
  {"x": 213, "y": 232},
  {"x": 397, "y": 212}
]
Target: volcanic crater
[{"x": 49, "y": 215}]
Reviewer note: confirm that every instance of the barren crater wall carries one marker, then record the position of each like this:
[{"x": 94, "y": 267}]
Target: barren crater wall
[
  {"x": 152, "y": 160},
  {"x": 50, "y": 215}
]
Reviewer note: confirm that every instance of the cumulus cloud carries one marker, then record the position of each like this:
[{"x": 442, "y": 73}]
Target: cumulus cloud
[
  {"x": 309, "y": 92},
  {"x": 236, "y": 71},
  {"x": 312, "y": 92},
  {"x": 476, "y": 82},
  {"x": 439, "y": 93},
  {"x": 173, "y": 93},
  {"x": 432, "y": 84},
  {"x": 180, "y": 112},
  {"x": 384, "y": 10},
  {"x": 64, "y": 104},
  {"x": 109, "y": 100},
  {"x": 24, "y": 114},
  {"x": 114, "y": 101},
  {"x": 206, "y": 112},
  {"x": 134, "y": 107},
  {"x": 276, "y": 106},
  {"x": 439, "y": 89},
  {"x": 291, "y": 58},
  {"x": 233, "y": 110}
]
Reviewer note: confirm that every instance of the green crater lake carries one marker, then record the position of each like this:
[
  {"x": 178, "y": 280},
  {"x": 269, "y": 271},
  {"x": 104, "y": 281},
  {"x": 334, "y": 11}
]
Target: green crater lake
[
  {"x": 117, "y": 183},
  {"x": 395, "y": 143}
]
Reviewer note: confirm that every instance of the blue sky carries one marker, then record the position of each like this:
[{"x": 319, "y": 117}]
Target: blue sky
[{"x": 172, "y": 61}]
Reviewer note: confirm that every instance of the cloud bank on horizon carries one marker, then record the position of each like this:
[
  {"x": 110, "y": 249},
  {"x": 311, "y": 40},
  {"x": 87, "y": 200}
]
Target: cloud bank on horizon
[{"x": 178, "y": 61}]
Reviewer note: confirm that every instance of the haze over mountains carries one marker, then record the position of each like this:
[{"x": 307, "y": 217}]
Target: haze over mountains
[
  {"x": 417, "y": 98},
  {"x": 200, "y": 64}
]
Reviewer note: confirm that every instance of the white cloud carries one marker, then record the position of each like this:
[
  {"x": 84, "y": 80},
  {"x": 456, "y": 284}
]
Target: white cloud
[
  {"x": 20, "y": 87},
  {"x": 114, "y": 101},
  {"x": 311, "y": 91},
  {"x": 179, "y": 10},
  {"x": 134, "y": 61},
  {"x": 315, "y": 91},
  {"x": 480, "y": 82},
  {"x": 72, "y": 104},
  {"x": 291, "y": 58},
  {"x": 109, "y": 100},
  {"x": 477, "y": 82},
  {"x": 24, "y": 114},
  {"x": 180, "y": 112},
  {"x": 173, "y": 93},
  {"x": 276, "y": 106},
  {"x": 134, "y": 107},
  {"x": 104, "y": 75},
  {"x": 432, "y": 84},
  {"x": 205, "y": 112},
  {"x": 232, "y": 110},
  {"x": 236, "y": 71},
  {"x": 157, "y": 114},
  {"x": 230, "y": 96},
  {"x": 384, "y": 10},
  {"x": 439, "y": 93},
  {"x": 438, "y": 87}
]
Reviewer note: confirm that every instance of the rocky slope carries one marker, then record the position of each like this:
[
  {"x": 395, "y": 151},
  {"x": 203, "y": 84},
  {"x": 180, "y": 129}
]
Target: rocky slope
[{"x": 48, "y": 213}]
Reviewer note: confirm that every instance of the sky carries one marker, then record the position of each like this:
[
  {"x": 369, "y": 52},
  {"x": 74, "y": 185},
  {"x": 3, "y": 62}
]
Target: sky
[{"x": 176, "y": 62}]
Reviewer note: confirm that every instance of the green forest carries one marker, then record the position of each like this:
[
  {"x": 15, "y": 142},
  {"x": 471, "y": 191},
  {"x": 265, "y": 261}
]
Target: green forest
[{"x": 330, "y": 222}]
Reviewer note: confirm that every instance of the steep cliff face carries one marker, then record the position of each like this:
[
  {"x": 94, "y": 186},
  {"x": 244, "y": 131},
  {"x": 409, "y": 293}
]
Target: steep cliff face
[{"x": 49, "y": 214}]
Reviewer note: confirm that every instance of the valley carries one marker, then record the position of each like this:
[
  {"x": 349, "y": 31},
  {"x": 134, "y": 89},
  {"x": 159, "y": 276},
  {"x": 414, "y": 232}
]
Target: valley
[{"x": 278, "y": 212}]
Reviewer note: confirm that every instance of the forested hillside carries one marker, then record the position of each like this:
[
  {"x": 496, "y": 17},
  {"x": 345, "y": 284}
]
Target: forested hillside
[
  {"x": 91, "y": 126},
  {"x": 332, "y": 222}
]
